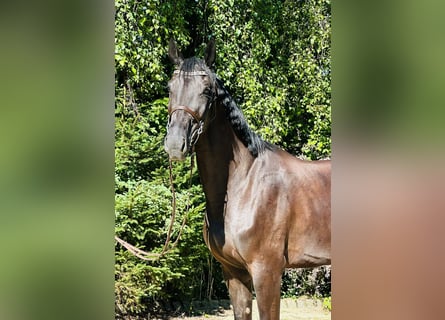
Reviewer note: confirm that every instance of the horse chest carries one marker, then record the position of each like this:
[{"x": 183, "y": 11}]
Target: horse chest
[
  {"x": 224, "y": 253},
  {"x": 225, "y": 241}
]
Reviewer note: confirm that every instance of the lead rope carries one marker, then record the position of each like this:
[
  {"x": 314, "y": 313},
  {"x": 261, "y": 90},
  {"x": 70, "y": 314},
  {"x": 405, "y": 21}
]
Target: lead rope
[
  {"x": 151, "y": 256},
  {"x": 187, "y": 208}
]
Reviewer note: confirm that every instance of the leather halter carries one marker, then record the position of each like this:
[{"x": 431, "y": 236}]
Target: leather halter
[
  {"x": 194, "y": 115},
  {"x": 198, "y": 119}
]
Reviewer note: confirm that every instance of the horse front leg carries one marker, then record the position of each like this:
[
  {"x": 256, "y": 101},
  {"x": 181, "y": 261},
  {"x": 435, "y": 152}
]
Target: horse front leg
[
  {"x": 239, "y": 284},
  {"x": 267, "y": 285}
]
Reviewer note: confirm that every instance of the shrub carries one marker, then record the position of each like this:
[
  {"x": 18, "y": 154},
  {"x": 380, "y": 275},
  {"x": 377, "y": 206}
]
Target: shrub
[{"x": 314, "y": 282}]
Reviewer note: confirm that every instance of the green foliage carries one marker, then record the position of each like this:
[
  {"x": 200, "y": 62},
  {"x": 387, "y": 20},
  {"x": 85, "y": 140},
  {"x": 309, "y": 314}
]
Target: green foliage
[
  {"x": 276, "y": 62},
  {"x": 135, "y": 281},
  {"x": 141, "y": 28},
  {"x": 274, "y": 57},
  {"x": 314, "y": 282},
  {"x": 142, "y": 217}
]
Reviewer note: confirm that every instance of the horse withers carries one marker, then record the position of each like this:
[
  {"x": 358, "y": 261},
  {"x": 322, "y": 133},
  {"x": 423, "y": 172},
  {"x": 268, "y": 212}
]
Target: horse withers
[{"x": 266, "y": 210}]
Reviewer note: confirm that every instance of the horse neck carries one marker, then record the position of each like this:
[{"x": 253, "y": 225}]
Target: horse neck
[{"x": 222, "y": 159}]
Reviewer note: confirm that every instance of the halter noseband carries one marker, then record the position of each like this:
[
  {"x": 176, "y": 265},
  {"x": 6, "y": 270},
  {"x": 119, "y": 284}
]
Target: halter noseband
[{"x": 194, "y": 115}]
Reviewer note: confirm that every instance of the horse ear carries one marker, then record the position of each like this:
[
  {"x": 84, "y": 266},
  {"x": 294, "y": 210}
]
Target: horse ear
[
  {"x": 173, "y": 52},
  {"x": 210, "y": 53}
]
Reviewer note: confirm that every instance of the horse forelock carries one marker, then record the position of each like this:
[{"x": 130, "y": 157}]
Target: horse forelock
[
  {"x": 192, "y": 64},
  {"x": 195, "y": 64}
]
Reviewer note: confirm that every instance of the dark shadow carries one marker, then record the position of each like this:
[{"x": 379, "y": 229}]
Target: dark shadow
[{"x": 192, "y": 309}]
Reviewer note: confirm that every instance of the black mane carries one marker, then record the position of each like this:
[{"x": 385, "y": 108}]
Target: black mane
[{"x": 250, "y": 139}]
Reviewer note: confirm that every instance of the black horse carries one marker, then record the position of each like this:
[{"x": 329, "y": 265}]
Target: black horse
[{"x": 266, "y": 209}]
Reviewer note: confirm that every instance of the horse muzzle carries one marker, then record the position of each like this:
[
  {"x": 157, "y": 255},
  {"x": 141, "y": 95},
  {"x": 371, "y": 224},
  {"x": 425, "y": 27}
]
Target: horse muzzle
[
  {"x": 176, "y": 146},
  {"x": 182, "y": 135}
]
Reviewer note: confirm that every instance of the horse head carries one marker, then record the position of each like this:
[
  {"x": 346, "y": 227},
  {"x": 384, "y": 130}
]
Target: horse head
[{"x": 192, "y": 92}]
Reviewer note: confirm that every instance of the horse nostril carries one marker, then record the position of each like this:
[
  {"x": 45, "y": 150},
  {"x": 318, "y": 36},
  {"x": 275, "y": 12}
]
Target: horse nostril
[{"x": 184, "y": 145}]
